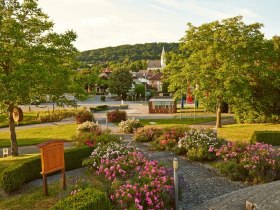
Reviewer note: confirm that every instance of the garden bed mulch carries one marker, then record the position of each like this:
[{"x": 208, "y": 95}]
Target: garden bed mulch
[{"x": 199, "y": 182}]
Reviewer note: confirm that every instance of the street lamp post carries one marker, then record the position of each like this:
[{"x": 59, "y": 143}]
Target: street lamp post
[
  {"x": 181, "y": 104},
  {"x": 176, "y": 185}
]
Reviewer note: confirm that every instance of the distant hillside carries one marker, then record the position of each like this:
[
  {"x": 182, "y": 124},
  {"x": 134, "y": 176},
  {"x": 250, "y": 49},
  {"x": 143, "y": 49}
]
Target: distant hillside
[{"x": 148, "y": 51}]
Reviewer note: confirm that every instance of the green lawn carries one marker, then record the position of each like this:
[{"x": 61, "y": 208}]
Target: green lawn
[
  {"x": 244, "y": 132},
  {"x": 38, "y": 135},
  {"x": 176, "y": 121}
]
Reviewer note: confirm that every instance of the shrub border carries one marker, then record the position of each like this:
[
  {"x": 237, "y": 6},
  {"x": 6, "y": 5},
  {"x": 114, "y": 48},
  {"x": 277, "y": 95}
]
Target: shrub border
[{"x": 15, "y": 176}]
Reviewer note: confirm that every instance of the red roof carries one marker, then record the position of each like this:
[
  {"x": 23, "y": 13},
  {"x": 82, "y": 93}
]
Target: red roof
[{"x": 157, "y": 76}]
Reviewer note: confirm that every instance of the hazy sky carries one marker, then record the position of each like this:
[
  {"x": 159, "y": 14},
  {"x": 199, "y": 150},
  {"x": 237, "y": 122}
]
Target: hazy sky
[{"x": 103, "y": 23}]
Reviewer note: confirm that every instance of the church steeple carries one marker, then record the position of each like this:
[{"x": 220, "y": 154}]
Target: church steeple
[{"x": 162, "y": 60}]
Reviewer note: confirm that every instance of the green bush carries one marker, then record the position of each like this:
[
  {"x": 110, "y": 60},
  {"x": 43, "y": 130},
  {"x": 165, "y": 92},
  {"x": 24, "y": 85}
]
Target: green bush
[
  {"x": 130, "y": 125},
  {"x": 85, "y": 138},
  {"x": 116, "y": 116},
  {"x": 102, "y": 98},
  {"x": 86, "y": 199},
  {"x": 147, "y": 134},
  {"x": 14, "y": 176},
  {"x": 268, "y": 137},
  {"x": 235, "y": 171},
  {"x": 83, "y": 116}
]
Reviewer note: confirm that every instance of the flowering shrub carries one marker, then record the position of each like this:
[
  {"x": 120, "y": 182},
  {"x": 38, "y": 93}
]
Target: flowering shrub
[
  {"x": 200, "y": 144},
  {"x": 91, "y": 139},
  {"x": 89, "y": 127},
  {"x": 136, "y": 182},
  {"x": 169, "y": 139},
  {"x": 149, "y": 187},
  {"x": 83, "y": 116},
  {"x": 116, "y": 116},
  {"x": 130, "y": 125},
  {"x": 147, "y": 134},
  {"x": 258, "y": 162},
  {"x": 111, "y": 150}
]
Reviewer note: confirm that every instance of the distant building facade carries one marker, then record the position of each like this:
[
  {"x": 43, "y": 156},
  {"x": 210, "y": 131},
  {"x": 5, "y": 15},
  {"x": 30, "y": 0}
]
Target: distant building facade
[{"x": 157, "y": 64}]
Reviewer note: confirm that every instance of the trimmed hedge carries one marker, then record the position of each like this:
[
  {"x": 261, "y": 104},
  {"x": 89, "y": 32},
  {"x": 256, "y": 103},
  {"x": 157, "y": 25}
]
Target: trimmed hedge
[
  {"x": 86, "y": 199},
  {"x": 268, "y": 137},
  {"x": 14, "y": 176},
  {"x": 98, "y": 108}
]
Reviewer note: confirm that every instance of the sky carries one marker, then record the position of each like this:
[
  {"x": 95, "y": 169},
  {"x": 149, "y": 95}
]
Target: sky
[{"x": 104, "y": 23}]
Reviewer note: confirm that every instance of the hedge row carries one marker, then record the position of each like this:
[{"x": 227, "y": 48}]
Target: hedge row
[
  {"x": 268, "y": 137},
  {"x": 14, "y": 176},
  {"x": 86, "y": 199}
]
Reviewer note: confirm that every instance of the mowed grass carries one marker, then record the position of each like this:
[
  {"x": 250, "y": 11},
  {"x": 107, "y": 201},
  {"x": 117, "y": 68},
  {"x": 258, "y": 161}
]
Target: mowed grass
[
  {"x": 31, "y": 136},
  {"x": 244, "y": 132},
  {"x": 176, "y": 121}
]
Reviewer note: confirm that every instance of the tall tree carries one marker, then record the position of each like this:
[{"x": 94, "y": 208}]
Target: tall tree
[
  {"x": 223, "y": 58},
  {"x": 34, "y": 60},
  {"x": 120, "y": 81}
]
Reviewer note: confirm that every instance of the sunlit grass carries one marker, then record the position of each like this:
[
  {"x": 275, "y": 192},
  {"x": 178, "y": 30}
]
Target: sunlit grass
[
  {"x": 31, "y": 136},
  {"x": 244, "y": 132}
]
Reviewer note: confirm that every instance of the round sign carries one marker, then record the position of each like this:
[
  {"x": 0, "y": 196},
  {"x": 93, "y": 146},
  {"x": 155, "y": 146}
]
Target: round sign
[{"x": 17, "y": 114}]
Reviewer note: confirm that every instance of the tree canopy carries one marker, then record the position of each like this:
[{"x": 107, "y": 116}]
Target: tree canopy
[
  {"x": 120, "y": 54},
  {"x": 34, "y": 60},
  {"x": 120, "y": 81},
  {"x": 222, "y": 61}
]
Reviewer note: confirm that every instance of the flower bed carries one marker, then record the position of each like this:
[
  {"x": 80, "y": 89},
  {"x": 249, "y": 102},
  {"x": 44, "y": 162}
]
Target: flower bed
[
  {"x": 135, "y": 181},
  {"x": 253, "y": 163},
  {"x": 147, "y": 134},
  {"x": 250, "y": 162},
  {"x": 91, "y": 127},
  {"x": 168, "y": 139},
  {"x": 200, "y": 144}
]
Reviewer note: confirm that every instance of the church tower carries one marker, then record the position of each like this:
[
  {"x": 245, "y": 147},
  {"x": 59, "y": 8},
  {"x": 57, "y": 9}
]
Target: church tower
[{"x": 162, "y": 60}]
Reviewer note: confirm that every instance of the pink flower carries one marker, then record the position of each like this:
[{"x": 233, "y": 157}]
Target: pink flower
[{"x": 211, "y": 149}]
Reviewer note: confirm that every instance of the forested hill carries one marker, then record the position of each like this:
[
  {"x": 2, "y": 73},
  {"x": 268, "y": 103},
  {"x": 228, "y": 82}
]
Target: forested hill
[{"x": 148, "y": 51}]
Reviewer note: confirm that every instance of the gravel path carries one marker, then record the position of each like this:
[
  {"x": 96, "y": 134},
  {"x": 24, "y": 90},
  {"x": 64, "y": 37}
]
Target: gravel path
[{"x": 198, "y": 182}]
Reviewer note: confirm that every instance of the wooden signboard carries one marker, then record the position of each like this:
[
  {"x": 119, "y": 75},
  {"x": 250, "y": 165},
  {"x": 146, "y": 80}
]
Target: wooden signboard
[{"x": 52, "y": 159}]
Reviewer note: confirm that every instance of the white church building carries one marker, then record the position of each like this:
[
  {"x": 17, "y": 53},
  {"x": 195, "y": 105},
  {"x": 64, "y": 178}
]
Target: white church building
[{"x": 157, "y": 64}]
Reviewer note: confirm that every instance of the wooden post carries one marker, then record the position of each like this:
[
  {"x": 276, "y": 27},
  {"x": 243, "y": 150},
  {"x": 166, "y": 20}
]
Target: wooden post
[
  {"x": 63, "y": 178},
  {"x": 45, "y": 184}
]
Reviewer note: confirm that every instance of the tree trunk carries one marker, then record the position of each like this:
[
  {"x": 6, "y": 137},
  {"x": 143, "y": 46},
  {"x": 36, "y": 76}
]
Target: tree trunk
[
  {"x": 218, "y": 116},
  {"x": 13, "y": 136}
]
